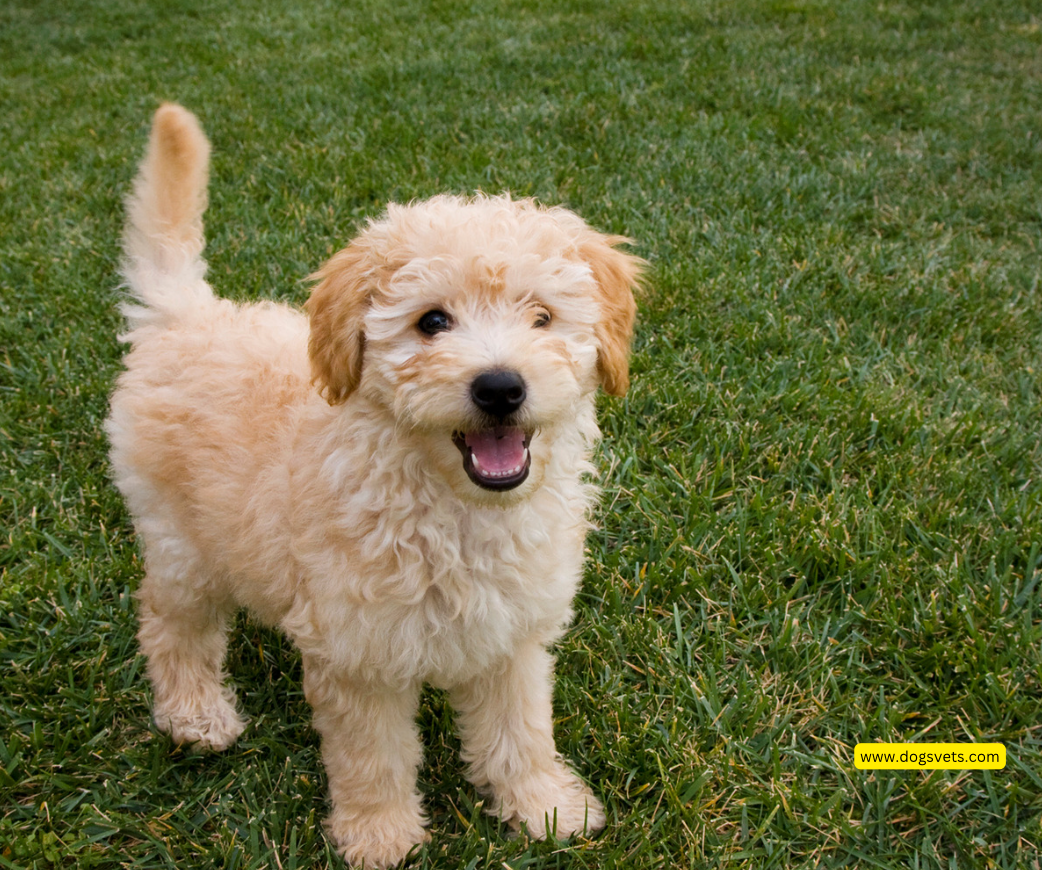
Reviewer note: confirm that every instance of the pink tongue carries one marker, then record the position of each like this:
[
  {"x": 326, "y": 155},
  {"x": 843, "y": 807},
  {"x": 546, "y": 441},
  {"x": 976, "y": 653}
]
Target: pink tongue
[{"x": 499, "y": 449}]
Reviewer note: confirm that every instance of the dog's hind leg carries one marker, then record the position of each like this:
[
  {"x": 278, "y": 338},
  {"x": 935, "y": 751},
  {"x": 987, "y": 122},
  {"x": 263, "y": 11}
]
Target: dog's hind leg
[{"x": 183, "y": 634}]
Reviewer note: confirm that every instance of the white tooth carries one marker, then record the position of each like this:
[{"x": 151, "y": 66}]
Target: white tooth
[{"x": 517, "y": 469}]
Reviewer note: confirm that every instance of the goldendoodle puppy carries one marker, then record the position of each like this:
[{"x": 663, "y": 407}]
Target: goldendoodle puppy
[{"x": 398, "y": 480}]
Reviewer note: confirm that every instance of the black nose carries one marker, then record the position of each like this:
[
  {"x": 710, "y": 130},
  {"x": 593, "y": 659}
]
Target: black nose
[{"x": 498, "y": 393}]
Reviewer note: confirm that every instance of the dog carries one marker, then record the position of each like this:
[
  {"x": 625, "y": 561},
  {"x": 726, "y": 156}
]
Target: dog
[{"x": 398, "y": 478}]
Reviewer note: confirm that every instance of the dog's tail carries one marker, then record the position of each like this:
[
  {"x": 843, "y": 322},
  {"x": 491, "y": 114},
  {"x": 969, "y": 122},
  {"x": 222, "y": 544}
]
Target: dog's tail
[{"x": 163, "y": 242}]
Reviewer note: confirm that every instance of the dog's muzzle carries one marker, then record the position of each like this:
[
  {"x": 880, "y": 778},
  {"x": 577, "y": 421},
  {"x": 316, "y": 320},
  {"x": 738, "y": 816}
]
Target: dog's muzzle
[{"x": 496, "y": 457}]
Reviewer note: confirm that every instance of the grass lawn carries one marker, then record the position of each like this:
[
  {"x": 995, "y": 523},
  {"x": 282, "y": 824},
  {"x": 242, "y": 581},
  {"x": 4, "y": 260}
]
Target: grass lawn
[{"x": 821, "y": 523}]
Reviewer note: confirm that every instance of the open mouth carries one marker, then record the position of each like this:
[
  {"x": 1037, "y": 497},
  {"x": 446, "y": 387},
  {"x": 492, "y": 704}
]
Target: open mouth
[{"x": 496, "y": 458}]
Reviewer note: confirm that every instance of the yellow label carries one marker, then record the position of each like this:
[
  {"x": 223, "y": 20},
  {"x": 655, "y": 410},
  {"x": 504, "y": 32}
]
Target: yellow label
[{"x": 930, "y": 756}]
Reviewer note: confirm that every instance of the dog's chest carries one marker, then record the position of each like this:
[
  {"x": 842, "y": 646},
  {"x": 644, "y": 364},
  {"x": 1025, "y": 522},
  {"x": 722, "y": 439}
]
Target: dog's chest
[
  {"x": 495, "y": 585},
  {"x": 446, "y": 596}
]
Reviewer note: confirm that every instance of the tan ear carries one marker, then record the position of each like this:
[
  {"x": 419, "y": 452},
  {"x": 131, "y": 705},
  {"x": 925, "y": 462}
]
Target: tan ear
[
  {"x": 617, "y": 275},
  {"x": 337, "y": 307}
]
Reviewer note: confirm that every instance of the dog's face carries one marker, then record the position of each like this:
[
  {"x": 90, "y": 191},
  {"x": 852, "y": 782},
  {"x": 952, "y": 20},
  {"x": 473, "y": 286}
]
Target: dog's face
[{"x": 482, "y": 326}]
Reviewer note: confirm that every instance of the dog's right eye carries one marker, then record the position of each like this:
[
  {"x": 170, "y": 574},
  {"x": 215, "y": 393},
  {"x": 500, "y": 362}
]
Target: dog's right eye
[{"x": 434, "y": 321}]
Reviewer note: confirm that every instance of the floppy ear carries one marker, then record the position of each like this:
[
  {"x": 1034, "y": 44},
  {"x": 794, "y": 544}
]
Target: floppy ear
[
  {"x": 617, "y": 275},
  {"x": 336, "y": 308}
]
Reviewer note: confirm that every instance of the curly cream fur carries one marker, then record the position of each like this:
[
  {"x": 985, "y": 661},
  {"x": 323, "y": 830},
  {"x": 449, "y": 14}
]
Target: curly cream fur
[{"x": 307, "y": 471}]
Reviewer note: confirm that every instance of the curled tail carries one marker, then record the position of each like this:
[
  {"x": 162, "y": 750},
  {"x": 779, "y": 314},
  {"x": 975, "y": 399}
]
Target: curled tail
[{"x": 163, "y": 242}]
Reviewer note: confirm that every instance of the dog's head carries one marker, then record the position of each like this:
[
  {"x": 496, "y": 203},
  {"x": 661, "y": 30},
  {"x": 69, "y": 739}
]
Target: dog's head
[{"x": 482, "y": 325}]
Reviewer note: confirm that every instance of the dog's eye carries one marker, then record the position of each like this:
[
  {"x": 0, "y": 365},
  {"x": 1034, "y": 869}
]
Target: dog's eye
[
  {"x": 434, "y": 321},
  {"x": 542, "y": 318}
]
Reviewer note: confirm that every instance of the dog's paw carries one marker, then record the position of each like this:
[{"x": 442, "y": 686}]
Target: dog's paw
[
  {"x": 377, "y": 839},
  {"x": 212, "y": 728},
  {"x": 555, "y": 804}
]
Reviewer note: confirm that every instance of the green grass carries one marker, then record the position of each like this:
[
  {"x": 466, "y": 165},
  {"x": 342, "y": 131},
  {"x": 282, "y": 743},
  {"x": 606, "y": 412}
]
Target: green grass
[{"x": 821, "y": 522}]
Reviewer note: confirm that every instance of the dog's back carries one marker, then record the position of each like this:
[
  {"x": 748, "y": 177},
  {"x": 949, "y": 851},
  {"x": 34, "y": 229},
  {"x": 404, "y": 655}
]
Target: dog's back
[{"x": 212, "y": 390}]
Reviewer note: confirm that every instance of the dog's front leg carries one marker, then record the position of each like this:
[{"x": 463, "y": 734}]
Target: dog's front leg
[
  {"x": 506, "y": 725},
  {"x": 371, "y": 750}
]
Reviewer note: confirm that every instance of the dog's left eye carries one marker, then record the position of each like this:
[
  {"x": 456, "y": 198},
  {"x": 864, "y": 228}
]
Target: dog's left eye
[
  {"x": 434, "y": 321},
  {"x": 542, "y": 318}
]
